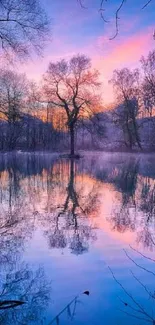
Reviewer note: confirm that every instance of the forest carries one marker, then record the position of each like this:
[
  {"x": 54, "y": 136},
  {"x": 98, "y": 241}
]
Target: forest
[
  {"x": 77, "y": 80},
  {"x": 65, "y": 109},
  {"x": 35, "y": 117}
]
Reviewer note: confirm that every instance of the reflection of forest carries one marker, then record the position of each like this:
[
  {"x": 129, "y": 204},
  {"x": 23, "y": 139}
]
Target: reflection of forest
[
  {"x": 19, "y": 282},
  {"x": 133, "y": 182},
  {"x": 52, "y": 196},
  {"x": 136, "y": 211},
  {"x": 39, "y": 192},
  {"x": 64, "y": 199}
]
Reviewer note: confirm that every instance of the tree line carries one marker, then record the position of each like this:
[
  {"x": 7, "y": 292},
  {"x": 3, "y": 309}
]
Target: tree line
[
  {"x": 135, "y": 99},
  {"x": 68, "y": 104},
  {"x": 69, "y": 89}
]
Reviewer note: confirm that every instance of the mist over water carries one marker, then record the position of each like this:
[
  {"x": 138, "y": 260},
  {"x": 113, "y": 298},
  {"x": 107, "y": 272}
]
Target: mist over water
[{"x": 67, "y": 226}]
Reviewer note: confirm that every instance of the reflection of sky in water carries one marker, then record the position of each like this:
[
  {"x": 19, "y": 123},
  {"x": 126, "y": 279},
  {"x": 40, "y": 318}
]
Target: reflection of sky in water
[{"x": 74, "y": 222}]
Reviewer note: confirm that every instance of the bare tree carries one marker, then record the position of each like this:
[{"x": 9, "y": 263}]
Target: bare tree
[
  {"x": 71, "y": 85},
  {"x": 126, "y": 87},
  {"x": 13, "y": 92},
  {"x": 23, "y": 27},
  {"x": 148, "y": 85}
]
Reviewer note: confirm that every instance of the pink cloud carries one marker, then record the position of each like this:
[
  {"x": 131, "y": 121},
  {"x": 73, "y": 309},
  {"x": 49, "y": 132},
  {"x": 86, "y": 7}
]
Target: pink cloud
[
  {"x": 119, "y": 54},
  {"x": 126, "y": 52}
]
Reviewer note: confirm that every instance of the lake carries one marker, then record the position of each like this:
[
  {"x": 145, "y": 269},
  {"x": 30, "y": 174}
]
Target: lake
[{"x": 69, "y": 227}]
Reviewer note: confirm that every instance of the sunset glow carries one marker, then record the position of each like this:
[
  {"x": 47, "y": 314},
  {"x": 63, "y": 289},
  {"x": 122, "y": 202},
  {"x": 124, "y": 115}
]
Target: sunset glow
[
  {"x": 134, "y": 40},
  {"x": 77, "y": 162}
]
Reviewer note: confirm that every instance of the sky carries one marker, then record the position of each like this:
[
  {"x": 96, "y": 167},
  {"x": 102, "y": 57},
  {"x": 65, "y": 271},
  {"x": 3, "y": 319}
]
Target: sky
[{"x": 78, "y": 30}]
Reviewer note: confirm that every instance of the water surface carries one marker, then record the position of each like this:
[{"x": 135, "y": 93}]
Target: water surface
[{"x": 70, "y": 226}]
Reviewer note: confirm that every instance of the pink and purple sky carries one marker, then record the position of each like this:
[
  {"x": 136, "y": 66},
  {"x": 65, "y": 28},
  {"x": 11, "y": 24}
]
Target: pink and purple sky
[{"x": 76, "y": 30}]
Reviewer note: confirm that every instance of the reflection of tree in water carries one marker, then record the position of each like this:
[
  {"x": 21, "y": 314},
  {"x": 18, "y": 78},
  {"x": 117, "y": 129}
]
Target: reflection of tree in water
[
  {"x": 34, "y": 188},
  {"x": 31, "y": 197},
  {"x": 70, "y": 225},
  {"x": 27, "y": 286},
  {"x": 126, "y": 182},
  {"x": 28, "y": 200},
  {"x": 136, "y": 208},
  {"x": 147, "y": 206},
  {"x": 123, "y": 218},
  {"x": 17, "y": 280},
  {"x": 16, "y": 225},
  {"x": 147, "y": 203},
  {"x": 38, "y": 196}
]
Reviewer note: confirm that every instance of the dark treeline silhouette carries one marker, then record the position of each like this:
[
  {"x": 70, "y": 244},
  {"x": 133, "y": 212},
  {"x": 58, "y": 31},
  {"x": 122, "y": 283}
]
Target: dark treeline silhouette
[{"x": 31, "y": 134}]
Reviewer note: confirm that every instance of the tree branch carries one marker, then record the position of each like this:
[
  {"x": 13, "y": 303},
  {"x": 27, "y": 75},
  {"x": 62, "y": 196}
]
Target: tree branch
[
  {"x": 146, "y": 4},
  {"x": 81, "y": 4},
  {"x": 117, "y": 18},
  {"x": 101, "y": 10}
]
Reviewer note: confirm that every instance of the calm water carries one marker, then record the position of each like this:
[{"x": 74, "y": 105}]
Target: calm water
[{"x": 67, "y": 227}]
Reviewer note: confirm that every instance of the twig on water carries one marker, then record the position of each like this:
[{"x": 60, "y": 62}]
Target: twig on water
[{"x": 56, "y": 318}]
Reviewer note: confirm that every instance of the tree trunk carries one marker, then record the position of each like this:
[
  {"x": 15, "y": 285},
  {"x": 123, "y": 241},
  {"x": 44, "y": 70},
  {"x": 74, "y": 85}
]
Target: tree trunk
[
  {"x": 71, "y": 128},
  {"x": 129, "y": 135},
  {"x": 136, "y": 133}
]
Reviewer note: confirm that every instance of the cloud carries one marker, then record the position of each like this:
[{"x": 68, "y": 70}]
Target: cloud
[
  {"x": 122, "y": 53},
  {"x": 127, "y": 52}
]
